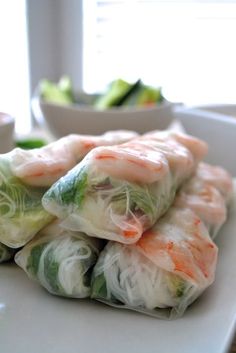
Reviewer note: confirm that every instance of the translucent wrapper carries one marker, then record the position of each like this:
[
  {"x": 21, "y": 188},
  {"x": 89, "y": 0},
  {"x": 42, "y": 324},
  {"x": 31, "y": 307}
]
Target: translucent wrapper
[
  {"x": 21, "y": 211},
  {"x": 208, "y": 194},
  {"x": 217, "y": 177},
  {"x": 25, "y": 175},
  {"x": 44, "y": 166},
  {"x": 118, "y": 192},
  {"x": 161, "y": 275},
  {"x": 61, "y": 261},
  {"x": 6, "y": 253}
]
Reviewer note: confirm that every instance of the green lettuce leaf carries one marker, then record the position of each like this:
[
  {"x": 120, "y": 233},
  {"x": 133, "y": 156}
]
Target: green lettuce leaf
[{"x": 21, "y": 212}]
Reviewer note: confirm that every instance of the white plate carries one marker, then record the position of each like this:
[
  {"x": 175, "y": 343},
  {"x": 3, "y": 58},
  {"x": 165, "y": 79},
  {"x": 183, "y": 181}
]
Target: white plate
[
  {"x": 31, "y": 320},
  {"x": 225, "y": 109}
]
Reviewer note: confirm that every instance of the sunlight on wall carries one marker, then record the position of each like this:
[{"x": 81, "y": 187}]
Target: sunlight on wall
[
  {"x": 14, "y": 82},
  {"x": 187, "y": 47}
]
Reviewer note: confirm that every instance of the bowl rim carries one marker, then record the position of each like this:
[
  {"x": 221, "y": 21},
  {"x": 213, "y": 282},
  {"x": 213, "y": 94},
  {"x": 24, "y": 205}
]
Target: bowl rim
[
  {"x": 37, "y": 102},
  {"x": 6, "y": 119}
]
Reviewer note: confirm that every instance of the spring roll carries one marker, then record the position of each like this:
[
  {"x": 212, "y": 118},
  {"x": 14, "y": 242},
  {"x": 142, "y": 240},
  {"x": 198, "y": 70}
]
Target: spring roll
[
  {"x": 163, "y": 273},
  {"x": 60, "y": 260},
  {"x": 118, "y": 192},
  {"x": 174, "y": 261},
  {"x": 208, "y": 194},
  {"x": 218, "y": 177},
  {"x": 25, "y": 176},
  {"x": 21, "y": 211},
  {"x": 44, "y": 166}
]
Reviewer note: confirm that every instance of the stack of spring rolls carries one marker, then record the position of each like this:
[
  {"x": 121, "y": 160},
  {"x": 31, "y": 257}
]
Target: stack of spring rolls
[
  {"x": 131, "y": 225},
  {"x": 25, "y": 175}
]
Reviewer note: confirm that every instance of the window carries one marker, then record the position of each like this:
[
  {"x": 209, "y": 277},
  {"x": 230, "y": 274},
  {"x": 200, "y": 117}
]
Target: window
[
  {"x": 187, "y": 47},
  {"x": 14, "y": 83}
]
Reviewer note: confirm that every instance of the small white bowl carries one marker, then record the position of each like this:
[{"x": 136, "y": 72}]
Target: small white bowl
[
  {"x": 62, "y": 120},
  {"x": 7, "y": 125}
]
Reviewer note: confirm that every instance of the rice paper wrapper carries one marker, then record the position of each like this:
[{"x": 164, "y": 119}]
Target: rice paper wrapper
[
  {"x": 44, "y": 166},
  {"x": 208, "y": 194},
  {"x": 21, "y": 212},
  {"x": 163, "y": 273},
  {"x": 61, "y": 261},
  {"x": 25, "y": 175},
  {"x": 118, "y": 192}
]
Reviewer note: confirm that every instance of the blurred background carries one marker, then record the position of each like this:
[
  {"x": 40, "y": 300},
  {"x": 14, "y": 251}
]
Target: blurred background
[{"x": 186, "y": 47}]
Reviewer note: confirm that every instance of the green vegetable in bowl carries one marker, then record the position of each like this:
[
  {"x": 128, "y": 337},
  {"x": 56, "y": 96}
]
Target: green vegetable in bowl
[
  {"x": 118, "y": 91},
  {"x": 145, "y": 96},
  {"x": 122, "y": 93},
  {"x": 61, "y": 93}
]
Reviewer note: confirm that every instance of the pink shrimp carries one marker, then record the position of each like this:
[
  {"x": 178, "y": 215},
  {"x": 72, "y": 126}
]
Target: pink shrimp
[
  {"x": 217, "y": 177},
  {"x": 205, "y": 200},
  {"x": 131, "y": 163},
  {"x": 180, "y": 243},
  {"x": 207, "y": 194},
  {"x": 146, "y": 159},
  {"x": 43, "y": 166},
  {"x": 197, "y": 147}
]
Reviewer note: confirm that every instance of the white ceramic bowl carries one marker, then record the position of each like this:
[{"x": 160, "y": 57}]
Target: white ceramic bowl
[
  {"x": 65, "y": 119},
  {"x": 7, "y": 124}
]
